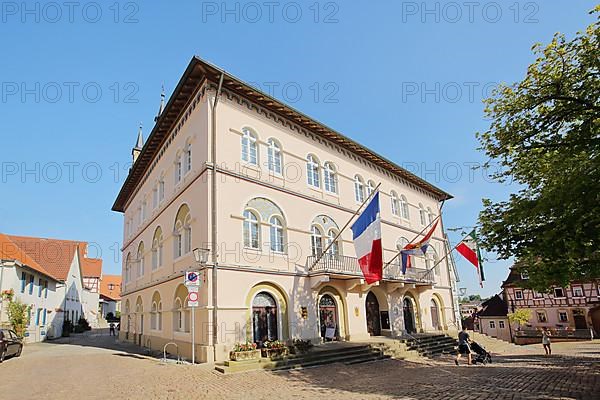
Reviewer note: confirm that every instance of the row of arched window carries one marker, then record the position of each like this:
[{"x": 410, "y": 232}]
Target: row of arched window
[
  {"x": 181, "y": 313},
  {"x": 182, "y": 244},
  {"x": 323, "y": 231},
  {"x": 182, "y": 166},
  {"x": 325, "y": 175}
]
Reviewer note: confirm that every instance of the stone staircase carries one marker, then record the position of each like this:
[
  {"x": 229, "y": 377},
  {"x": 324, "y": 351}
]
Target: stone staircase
[
  {"x": 430, "y": 345},
  {"x": 339, "y": 352}
]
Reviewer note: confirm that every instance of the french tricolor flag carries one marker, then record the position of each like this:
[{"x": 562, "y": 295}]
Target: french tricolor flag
[{"x": 366, "y": 233}]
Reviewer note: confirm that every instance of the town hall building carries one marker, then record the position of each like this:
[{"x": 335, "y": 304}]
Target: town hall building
[{"x": 263, "y": 190}]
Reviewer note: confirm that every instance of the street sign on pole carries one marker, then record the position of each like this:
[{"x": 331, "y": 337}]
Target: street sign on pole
[
  {"x": 193, "y": 297},
  {"x": 192, "y": 278}
]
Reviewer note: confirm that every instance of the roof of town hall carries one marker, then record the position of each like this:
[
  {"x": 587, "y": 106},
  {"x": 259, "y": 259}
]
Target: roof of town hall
[
  {"x": 115, "y": 293},
  {"x": 199, "y": 71},
  {"x": 52, "y": 257}
]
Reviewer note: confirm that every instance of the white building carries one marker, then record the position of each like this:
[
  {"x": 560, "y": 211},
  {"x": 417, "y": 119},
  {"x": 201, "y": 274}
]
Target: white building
[{"x": 47, "y": 275}]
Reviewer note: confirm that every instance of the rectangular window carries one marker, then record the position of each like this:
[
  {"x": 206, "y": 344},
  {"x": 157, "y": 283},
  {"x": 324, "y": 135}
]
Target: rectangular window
[
  {"x": 578, "y": 291},
  {"x": 37, "y": 316},
  {"x": 541, "y": 316},
  {"x": 563, "y": 316},
  {"x": 559, "y": 292},
  {"x": 23, "y": 281},
  {"x": 519, "y": 294},
  {"x": 46, "y": 289},
  {"x": 44, "y": 317},
  {"x": 492, "y": 324},
  {"x": 524, "y": 275},
  {"x": 538, "y": 295},
  {"x": 40, "y": 287},
  {"x": 31, "y": 279},
  {"x": 501, "y": 324}
]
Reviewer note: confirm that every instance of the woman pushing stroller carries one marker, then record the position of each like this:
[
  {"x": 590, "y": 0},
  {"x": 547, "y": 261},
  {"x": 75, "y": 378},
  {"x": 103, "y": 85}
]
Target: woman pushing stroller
[{"x": 463, "y": 346}]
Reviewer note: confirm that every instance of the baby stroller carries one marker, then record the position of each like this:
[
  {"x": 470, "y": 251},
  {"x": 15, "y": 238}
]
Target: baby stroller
[{"x": 482, "y": 355}]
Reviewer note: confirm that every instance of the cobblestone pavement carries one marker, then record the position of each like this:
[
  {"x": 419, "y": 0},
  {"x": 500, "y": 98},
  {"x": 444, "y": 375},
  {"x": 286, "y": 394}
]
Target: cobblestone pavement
[{"x": 96, "y": 367}]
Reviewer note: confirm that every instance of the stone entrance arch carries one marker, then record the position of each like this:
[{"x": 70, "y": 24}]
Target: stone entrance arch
[{"x": 331, "y": 311}]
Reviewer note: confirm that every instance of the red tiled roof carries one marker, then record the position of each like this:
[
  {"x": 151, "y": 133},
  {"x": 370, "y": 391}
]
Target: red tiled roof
[
  {"x": 115, "y": 280},
  {"x": 91, "y": 267},
  {"x": 9, "y": 250}
]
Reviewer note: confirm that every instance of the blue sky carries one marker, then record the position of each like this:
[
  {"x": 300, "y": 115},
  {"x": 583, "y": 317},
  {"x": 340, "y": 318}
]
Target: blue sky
[{"x": 403, "y": 78}]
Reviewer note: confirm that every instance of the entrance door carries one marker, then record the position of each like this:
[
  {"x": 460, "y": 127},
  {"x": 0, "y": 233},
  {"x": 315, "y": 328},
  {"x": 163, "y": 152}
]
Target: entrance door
[
  {"x": 409, "y": 316},
  {"x": 328, "y": 318},
  {"x": 435, "y": 316},
  {"x": 264, "y": 318},
  {"x": 372, "y": 312},
  {"x": 579, "y": 318}
]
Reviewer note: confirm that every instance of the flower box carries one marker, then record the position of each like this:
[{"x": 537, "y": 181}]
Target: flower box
[
  {"x": 274, "y": 353},
  {"x": 244, "y": 355}
]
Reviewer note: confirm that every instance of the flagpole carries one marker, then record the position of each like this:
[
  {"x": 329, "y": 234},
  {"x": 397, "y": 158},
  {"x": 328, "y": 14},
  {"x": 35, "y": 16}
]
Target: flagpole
[
  {"x": 369, "y": 197},
  {"x": 415, "y": 238}
]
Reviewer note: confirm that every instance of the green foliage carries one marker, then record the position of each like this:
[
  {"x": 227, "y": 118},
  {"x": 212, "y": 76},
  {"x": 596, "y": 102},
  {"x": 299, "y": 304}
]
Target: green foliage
[
  {"x": 18, "y": 316},
  {"x": 520, "y": 316},
  {"x": 545, "y": 132}
]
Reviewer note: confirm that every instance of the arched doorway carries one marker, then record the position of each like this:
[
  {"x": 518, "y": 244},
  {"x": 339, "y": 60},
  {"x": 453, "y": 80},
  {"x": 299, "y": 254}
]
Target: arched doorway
[
  {"x": 264, "y": 318},
  {"x": 595, "y": 316},
  {"x": 435, "y": 315},
  {"x": 328, "y": 318},
  {"x": 409, "y": 315},
  {"x": 372, "y": 313}
]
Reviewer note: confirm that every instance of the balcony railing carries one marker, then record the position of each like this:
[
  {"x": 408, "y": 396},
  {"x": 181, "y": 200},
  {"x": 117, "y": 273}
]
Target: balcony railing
[{"x": 337, "y": 264}]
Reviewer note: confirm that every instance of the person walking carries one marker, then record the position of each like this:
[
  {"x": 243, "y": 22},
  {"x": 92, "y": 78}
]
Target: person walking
[
  {"x": 546, "y": 341},
  {"x": 463, "y": 346},
  {"x": 112, "y": 329}
]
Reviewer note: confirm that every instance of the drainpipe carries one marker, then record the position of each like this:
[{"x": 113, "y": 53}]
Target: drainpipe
[{"x": 213, "y": 203}]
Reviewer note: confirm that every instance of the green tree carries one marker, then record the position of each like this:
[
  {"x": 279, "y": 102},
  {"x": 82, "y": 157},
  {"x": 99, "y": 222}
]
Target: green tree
[
  {"x": 520, "y": 316},
  {"x": 18, "y": 316},
  {"x": 545, "y": 133}
]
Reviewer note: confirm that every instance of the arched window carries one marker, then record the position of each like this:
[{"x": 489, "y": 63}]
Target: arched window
[
  {"x": 156, "y": 312},
  {"x": 430, "y": 215},
  {"x": 316, "y": 240},
  {"x": 330, "y": 177},
  {"x": 128, "y": 268},
  {"x": 422, "y": 215},
  {"x": 188, "y": 158},
  {"x": 183, "y": 231},
  {"x": 140, "y": 259},
  {"x": 370, "y": 187},
  {"x": 143, "y": 212},
  {"x": 274, "y": 156},
  {"x": 400, "y": 244},
  {"x": 161, "y": 189},
  {"x": 276, "y": 234},
  {"x": 395, "y": 204},
  {"x": 404, "y": 207},
  {"x": 178, "y": 168},
  {"x": 251, "y": 230},
  {"x": 312, "y": 171},
  {"x": 334, "y": 250},
  {"x": 359, "y": 189},
  {"x": 181, "y": 313},
  {"x": 157, "y": 248},
  {"x": 249, "y": 147}
]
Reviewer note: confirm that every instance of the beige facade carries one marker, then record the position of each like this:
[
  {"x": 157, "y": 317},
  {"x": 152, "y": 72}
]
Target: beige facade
[{"x": 282, "y": 192}]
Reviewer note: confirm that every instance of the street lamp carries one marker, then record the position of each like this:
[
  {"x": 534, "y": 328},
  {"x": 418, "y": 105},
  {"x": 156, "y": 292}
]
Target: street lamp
[{"x": 201, "y": 256}]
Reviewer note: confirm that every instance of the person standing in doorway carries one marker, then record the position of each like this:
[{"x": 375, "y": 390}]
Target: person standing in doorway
[
  {"x": 463, "y": 346},
  {"x": 546, "y": 341}
]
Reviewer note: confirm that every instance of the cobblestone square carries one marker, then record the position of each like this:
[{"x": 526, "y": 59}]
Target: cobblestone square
[{"x": 101, "y": 368}]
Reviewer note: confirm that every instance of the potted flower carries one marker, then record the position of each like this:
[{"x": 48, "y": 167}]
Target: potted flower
[
  {"x": 274, "y": 349},
  {"x": 8, "y": 295},
  {"x": 244, "y": 351}
]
